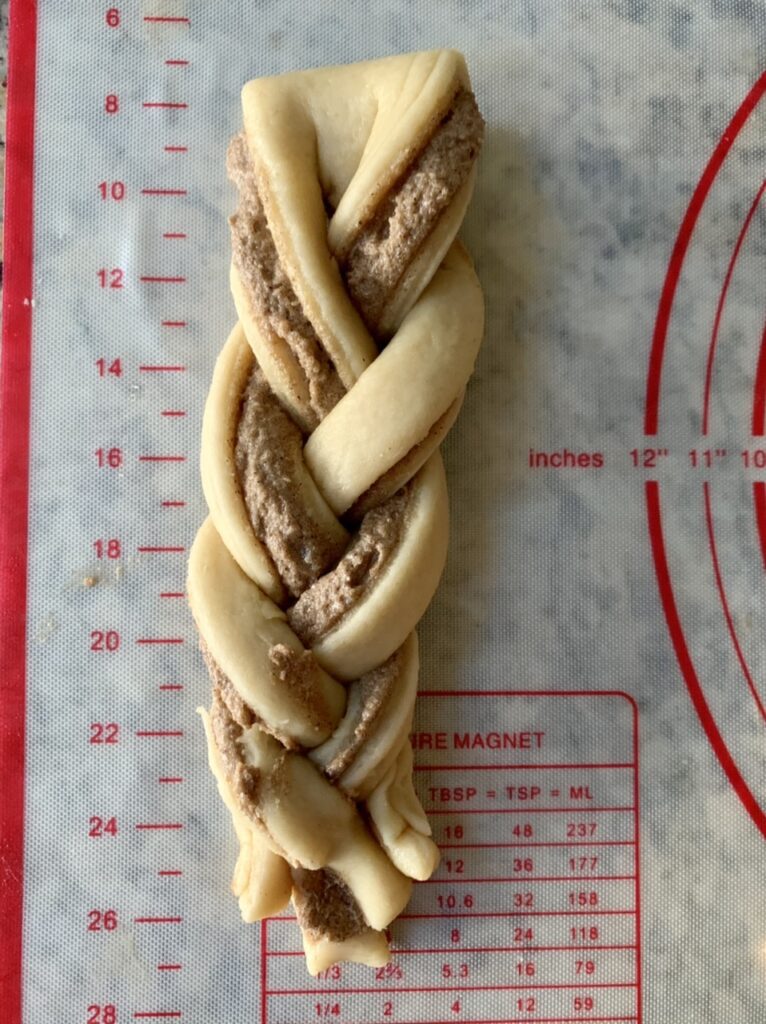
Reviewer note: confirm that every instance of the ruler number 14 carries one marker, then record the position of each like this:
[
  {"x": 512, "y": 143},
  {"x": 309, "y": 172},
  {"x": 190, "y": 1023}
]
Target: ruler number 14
[{"x": 109, "y": 367}]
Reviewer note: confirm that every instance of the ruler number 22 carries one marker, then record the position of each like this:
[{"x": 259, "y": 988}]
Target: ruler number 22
[{"x": 104, "y": 732}]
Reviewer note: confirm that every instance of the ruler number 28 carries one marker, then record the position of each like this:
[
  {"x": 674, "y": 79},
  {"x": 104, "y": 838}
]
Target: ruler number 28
[{"x": 102, "y": 1014}]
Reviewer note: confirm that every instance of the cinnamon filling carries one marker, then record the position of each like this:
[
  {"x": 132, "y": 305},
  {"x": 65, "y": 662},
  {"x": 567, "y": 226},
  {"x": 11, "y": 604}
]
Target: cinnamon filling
[
  {"x": 294, "y": 671},
  {"x": 325, "y": 906},
  {"x": 244, "y": 779},
  {"x": 387, "y": 245},
  {"x": 321, "y": 607},
  {"x": 272, "y": 296},
  {"x": 366, "y": 700},
  {"x": 269, "y": 458}
]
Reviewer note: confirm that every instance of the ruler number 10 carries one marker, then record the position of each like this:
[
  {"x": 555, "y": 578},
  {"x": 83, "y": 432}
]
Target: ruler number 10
[{"x": 112, "y": 190}]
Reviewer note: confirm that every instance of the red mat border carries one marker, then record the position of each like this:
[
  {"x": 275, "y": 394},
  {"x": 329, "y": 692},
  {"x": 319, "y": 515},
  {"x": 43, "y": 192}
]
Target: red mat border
[{"x": 15, "y": 366}]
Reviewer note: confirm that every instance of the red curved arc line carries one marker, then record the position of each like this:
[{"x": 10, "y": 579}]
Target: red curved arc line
[
  {"x": 722, "y": 303},
  {"x": 725, "y": 604},
  {"x": 677, "y": 256},
  {"x": 759, "y": 391},
  {"x": 759, "y": 500},
  {"x": 675, "y": 629}
]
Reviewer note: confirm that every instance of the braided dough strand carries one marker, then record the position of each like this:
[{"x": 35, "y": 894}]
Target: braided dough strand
[{"x": 359, "y": 321}]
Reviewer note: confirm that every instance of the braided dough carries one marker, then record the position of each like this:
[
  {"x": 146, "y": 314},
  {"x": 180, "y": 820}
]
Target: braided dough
[{"x": 359, "y": 320}]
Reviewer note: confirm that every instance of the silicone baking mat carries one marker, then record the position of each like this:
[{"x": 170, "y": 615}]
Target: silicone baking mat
[{"x": 590, "y": 739}]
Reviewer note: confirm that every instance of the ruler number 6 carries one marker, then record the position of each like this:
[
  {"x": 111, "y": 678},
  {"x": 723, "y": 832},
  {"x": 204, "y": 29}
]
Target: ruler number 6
[{"x": 112, "y": 19}]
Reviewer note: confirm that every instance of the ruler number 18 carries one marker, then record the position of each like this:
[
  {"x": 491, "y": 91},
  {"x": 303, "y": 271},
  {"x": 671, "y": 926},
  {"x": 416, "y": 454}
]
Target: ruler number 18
[{"x": 108, "y": 548}]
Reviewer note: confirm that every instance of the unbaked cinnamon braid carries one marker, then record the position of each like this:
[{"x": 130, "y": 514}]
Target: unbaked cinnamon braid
[{"x": 359, "y": 321}]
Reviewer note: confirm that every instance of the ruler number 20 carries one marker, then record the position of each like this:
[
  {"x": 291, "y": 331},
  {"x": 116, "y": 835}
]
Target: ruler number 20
[{"x": 105, "y": 640}]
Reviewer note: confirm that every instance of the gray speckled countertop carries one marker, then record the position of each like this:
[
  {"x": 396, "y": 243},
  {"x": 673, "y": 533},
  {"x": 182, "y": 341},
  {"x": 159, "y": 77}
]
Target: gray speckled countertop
[{"x": 600, "y": 120}]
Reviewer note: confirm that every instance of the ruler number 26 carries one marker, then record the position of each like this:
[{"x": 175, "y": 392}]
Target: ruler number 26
[{"x": 102, "y": 920}]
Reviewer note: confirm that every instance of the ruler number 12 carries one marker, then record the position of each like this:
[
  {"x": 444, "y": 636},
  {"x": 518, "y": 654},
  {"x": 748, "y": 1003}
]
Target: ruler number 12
[{"x": 110, "y": 277}]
